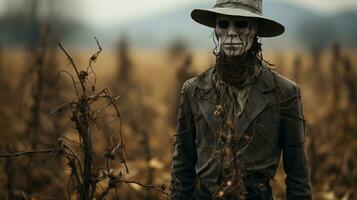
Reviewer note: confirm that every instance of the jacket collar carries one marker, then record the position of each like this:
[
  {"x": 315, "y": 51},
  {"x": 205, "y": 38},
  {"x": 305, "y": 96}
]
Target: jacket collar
[
  {"x": 257, "y": 100},
  {"x": 264, "y": 80}
]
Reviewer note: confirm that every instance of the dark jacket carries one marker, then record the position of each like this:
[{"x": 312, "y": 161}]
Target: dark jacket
[{"x": 273, "y": 114}]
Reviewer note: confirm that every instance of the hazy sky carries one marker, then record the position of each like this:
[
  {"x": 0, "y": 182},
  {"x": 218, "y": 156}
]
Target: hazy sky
[
  {"x": 122, "y": 10},
  {"x": 104, "y": 12}
]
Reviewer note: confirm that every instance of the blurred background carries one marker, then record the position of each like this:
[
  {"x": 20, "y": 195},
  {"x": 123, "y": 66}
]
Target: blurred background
[{"x": 149, "y": 49}]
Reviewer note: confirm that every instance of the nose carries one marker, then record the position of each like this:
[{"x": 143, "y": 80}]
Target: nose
[{"x": 232, "y": 31}]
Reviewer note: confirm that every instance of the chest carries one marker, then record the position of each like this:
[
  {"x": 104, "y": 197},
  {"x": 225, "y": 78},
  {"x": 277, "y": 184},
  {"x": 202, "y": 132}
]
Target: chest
[{"x": 259, "y": 121}]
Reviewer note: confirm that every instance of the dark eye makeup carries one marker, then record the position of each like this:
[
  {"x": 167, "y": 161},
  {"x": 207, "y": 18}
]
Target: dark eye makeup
[
  {"x": 223, "y": 24},
  {"x": 241, "y": 24}
]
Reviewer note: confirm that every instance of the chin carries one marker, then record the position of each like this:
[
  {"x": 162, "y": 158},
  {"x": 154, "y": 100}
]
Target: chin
[{"x": 232, "y": 53}]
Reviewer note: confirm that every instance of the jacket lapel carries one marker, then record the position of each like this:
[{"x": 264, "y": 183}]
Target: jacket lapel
[
  {"x": 207, "y": 100},
  {"x": 257, "y": 100}
]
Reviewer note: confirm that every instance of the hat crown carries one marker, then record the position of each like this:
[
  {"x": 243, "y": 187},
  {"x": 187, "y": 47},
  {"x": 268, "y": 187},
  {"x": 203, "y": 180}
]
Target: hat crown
[{"x": 254, "y": 6}]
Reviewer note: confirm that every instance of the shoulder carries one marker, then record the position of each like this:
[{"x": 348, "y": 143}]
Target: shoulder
[
  {"x": 202, "y": 80},
  {"x": 189, "y": 84},
  {"x": 285, "y": 86}
]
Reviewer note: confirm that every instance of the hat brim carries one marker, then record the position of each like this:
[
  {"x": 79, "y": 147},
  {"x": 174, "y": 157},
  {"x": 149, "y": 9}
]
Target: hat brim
[{"x": 267, "y": 27}]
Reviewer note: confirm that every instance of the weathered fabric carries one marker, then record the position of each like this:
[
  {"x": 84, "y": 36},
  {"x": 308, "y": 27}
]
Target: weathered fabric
[
  {"x": 238, "y": 71},
  {"x": 242, "y": 8},
  {"x": 234, "y": 97},
  {"x": 272, "y": 117},
  {"x": 254, "y": 6}
]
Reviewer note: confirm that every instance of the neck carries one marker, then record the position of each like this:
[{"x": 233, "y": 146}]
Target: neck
[
  {"x": 235, "y": 59},
  {"x": 235, "y": 69}
]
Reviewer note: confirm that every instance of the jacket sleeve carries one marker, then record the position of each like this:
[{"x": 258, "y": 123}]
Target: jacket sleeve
[
  {"x": 184, "y": 158},
  {"x": 292, "y": 125}
]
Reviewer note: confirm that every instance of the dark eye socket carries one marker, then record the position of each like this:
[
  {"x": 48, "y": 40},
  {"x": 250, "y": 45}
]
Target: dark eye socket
[
  {"x": 223, "y": 24},
  {"x": 241, "y": 24}
]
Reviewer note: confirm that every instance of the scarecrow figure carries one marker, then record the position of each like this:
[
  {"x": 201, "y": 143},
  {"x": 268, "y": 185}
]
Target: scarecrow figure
[{"x": 238, "y": 117}]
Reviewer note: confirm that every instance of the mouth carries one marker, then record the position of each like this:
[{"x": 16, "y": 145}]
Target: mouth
[{"x": 232, "y": 44}]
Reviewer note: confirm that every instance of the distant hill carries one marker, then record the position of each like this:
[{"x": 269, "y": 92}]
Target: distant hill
[
  {"x": 159, "y": 30},
  {"x": 303, "y": 28}
]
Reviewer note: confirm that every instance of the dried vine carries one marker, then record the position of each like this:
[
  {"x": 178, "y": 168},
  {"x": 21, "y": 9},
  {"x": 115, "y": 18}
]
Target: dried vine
[{"x": 87, "y": 174}]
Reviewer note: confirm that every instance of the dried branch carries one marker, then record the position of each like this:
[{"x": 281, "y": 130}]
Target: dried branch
[
  {"x": 29, "y": 153},
  {"x": 72, "y": 78},
  {"x": 86, "y": 174},
  {"x": 74, "y": 66},
  {"x": 159, "y": 188}
]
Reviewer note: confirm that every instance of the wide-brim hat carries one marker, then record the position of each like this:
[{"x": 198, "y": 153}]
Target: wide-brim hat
[{"x": 242, "y": 8}]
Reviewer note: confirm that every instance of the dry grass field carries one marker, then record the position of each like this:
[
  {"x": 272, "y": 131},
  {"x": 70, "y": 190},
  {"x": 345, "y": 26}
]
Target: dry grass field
[{"x": 147, "y": 104}]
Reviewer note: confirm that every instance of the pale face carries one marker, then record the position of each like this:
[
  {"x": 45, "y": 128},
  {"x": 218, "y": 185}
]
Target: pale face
[{"x": 235, "y": 34}]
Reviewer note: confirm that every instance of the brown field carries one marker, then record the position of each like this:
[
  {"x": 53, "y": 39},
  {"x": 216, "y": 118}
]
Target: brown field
[{"x": 331, "y": 125}]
